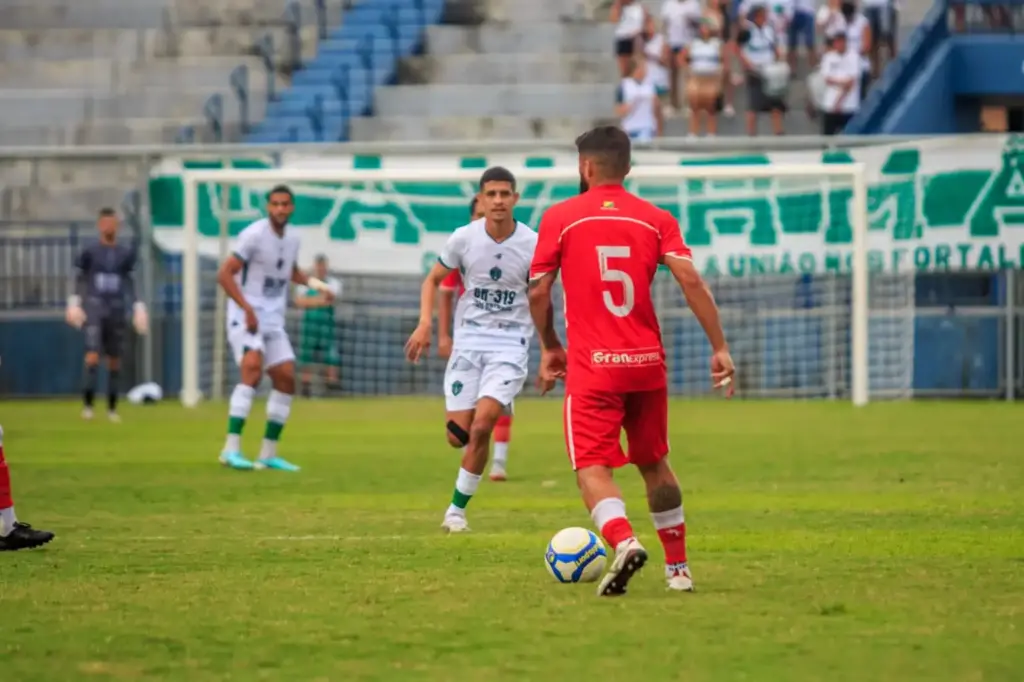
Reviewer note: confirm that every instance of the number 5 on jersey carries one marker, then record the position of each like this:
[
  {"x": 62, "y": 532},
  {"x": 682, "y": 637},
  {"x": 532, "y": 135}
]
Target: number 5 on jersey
[{"x": 605, "y": 254}]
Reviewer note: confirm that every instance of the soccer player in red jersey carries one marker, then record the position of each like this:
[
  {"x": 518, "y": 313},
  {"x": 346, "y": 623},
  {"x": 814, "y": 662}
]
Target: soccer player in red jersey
[
  {"x": 14, "y": 535},
  {"x": 608, "y": 244},
  {"x": 451, "y": 289}
]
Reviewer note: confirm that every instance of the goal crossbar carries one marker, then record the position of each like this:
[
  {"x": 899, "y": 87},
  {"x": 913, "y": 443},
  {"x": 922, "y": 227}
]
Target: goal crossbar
[{"x": 192, "y": 178}]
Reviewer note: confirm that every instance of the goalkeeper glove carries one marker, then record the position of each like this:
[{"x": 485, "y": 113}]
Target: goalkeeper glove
[
  {"x": 74, "y": 315},
  {"x": 140, "y": 318}
]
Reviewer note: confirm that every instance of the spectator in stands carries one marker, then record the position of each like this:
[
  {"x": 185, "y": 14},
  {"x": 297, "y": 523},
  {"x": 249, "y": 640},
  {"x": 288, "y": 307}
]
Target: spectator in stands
[
  {"x": 841, "y": 73},
  {"x": 637, "y": 105},
  {"x": 720, "y": 12},
  {"x": 704, "y": 62},
  {"x": 759, "y": 54},
  {"x": 629, "y": 17},
  {"x": 658, "y": 57},
  {"x": 882, "y": 16},
  {"x": 680, "y": 18},
  {"x": 843, "y": 15},
  {"x": 800, "y": 32}
]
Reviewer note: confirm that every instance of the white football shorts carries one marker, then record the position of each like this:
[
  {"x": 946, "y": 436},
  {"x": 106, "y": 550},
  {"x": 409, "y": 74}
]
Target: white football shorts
[
  {"x": 274, "y": 345},
  {"x": 475, "y": 374}
]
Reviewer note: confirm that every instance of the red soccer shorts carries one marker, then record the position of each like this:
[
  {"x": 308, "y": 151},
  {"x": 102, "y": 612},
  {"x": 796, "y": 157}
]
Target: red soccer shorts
[{"x": 594, "y": 421}]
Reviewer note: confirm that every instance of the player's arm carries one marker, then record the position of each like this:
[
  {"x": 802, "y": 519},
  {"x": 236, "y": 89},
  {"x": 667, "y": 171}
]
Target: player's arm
[
  {"x": 419, "y": 342},
  {"x": 446, "y": 307},
  {"x": 140, "y": 316},
  {"x": 300, "y": 277},
  {"x": 547, "y": 259},
  {"x": 74, "y": 314}
]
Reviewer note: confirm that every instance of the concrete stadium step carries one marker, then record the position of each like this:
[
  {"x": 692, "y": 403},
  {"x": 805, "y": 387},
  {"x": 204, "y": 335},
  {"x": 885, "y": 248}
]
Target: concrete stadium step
[
  {"x": 42, "y": 14},
  {"x": 23, "y": 108},
  {"x": 246, "y": 12},
  {"x": 57, "y": 202},
  {"x": 495, "y": 100},
  {"x": 520, "y": 38},
  {"x": 415, "y": 128},
  {"x": 125, "y": 131},
  {"x": 520, "y": 12},
  {"x": 106, "y": 75},
  {"x": 508, "y": 69}
]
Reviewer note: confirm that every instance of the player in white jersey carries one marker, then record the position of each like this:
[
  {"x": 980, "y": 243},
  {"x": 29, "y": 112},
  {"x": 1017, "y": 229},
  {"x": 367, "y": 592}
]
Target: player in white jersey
[
  {"x": 488, "y": 363},
  {"x": 256, "y": 278}
]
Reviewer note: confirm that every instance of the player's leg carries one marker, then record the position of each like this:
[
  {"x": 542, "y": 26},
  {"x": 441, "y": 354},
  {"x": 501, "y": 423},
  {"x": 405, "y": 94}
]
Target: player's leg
[
  {"x": 461, "y": 388},
  {"x": 113, "y": 346},
  {"x": 93, "y": 345},
  {"x": 646, "y": 426},
  {"x": 593, "y": 424},
  {"x": 332, "y": 363},
  {"x": 280, "y": 360},
  {"x": 13, "y": 534},
  {"x": 248, "y": 352},
  {"x": 502, "y": 435}
]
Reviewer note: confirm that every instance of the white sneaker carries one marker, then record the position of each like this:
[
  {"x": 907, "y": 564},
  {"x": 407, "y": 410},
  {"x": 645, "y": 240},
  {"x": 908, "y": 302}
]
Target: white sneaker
[
  {"x": 454, "y": 523},
  {"x": 679, "y": 578},
  {"x": 498, "y": 474},
  {"x": 86, "y": 413},
  {"x": 114, "y": 417},
  {"x": 630, "y": 557}
]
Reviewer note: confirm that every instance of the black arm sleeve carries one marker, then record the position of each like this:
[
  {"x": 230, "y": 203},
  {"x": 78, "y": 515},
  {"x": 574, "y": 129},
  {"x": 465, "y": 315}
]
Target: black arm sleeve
[
  {"x": 82, "y": 274},
  {"x": 131, "y": 289}
]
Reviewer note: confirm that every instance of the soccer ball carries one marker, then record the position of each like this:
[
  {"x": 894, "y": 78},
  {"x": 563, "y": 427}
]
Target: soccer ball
[{"x": 575, "y": 555}]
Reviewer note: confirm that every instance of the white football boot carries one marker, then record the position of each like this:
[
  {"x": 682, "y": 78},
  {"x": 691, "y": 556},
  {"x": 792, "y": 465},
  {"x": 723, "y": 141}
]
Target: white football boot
[
  {"x": 630, "y": 557},
  {"x": 87, "y": 413},
  {"x": 679, "y": 578},
  {"x": 455, "y": 523},
  {"x": 114, "y": 417}
]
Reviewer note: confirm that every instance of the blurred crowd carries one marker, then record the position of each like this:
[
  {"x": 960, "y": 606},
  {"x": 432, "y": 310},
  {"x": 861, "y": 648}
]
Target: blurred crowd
[{"x": 702, "y": 59}]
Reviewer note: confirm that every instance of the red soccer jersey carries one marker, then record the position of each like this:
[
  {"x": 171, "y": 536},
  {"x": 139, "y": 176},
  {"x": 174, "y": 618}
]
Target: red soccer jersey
[
  {"x": 608, "y": 244},
  {"x": 453, "y": 282}
]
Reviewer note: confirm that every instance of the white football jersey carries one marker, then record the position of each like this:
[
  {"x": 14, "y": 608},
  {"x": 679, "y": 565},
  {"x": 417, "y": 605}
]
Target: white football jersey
[
  {"x": 494, "y": 311},
  {"x": 269, "y": 261}
]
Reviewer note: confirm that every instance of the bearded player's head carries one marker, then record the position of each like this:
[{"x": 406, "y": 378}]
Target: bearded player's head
[
  {"x": 107, "y": 224},
  {"x": 498, "y": 194},
  {"x": 605, "y": 157},
  {"x": 280, "y": 206}
]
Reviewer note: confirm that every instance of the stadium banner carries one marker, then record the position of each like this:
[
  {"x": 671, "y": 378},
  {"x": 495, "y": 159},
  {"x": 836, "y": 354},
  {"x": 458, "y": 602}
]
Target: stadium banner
[{"x": 939, "y": 204}]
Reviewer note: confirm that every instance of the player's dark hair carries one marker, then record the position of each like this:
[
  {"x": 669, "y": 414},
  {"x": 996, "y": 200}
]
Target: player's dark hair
[
  {"x": 472, "y": 207},
  {"x": 608, "y": 147},
  {"x": 281, "y": 189},
  {"x": 498, "y": 174},
  {"x": 320, "y": 258},
  {"x": 106, "y": 212}
]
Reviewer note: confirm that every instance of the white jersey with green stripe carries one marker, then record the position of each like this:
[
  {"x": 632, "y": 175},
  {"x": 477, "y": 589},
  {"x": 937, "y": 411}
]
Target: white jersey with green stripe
[
  {"x": 494, "y": 310},
  {"x": 268, "y": 262}
]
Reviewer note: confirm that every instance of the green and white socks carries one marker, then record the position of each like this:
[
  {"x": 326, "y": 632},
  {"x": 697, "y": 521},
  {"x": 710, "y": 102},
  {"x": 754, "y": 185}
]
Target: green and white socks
[
  {"x": 279, "y": 408},
  {"x": 465, "y": 487}
]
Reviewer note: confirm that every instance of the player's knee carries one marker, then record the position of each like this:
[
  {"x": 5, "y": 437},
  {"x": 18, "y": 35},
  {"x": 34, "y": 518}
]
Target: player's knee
[
  {"x": 481, "y": 428},
  {"x": 283, "y": 377},
  {"x": 92, "y": 359},
  {"x": 458, "y": 437},
  {"x": 113, "y": 363}
]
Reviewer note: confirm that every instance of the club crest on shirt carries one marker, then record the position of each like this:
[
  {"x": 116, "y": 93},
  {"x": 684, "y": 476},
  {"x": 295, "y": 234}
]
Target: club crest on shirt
[
  {"x": 495, "y": 273},
  {"x": 456, "y": 387},
  {"x": 608, "y": 205}
]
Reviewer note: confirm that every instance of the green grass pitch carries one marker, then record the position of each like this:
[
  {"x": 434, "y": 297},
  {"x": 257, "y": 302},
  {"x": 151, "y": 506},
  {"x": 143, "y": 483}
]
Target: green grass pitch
[{"x": 827, "y": 543}]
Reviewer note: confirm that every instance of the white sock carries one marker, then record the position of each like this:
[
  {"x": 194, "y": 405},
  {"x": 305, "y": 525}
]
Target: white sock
[
  {"x": 500, "y": 456},
  {"x": 7, "y": 521},
  {"x": 465, "y": 487},
  {"x": 238, "y": 412},
  {"x": 279, "y": 406}
]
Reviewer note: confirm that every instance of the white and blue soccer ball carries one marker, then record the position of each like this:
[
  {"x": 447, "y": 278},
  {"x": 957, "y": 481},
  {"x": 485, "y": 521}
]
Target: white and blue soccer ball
[{"x": 576, "y": 555}]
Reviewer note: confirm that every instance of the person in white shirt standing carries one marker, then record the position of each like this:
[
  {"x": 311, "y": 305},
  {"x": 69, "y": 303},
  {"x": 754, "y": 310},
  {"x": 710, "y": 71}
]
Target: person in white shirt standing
[
  {"x": 841, "y": 73},
  {"x": 637, "y": 105},
  {"x": 680, "y": 18},
  {"x": 759, "y": 51},
  {"x": 629, "y": 17},
  {"x": 704, "y": 60},
  {"x": 658, "y": 58},
  {"x": 488, "y": 364},
  {"x": 255, "y": 278}
]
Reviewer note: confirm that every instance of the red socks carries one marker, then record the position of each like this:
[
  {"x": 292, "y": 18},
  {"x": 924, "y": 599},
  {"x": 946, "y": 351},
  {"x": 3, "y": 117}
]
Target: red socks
[
  {"x": 503, "y": 429},
  {"x": 671, "y": 527},
  {"x": 5, "y": 482}
]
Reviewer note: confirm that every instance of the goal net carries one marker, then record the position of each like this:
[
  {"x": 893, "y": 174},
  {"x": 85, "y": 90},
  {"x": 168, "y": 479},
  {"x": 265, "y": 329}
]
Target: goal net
[{"x": 807, "y": 309}]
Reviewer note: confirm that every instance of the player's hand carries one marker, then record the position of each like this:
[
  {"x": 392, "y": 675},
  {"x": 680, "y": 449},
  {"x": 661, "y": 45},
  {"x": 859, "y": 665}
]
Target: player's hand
[
  {"x": 75, "y": 316},
  {"x": 552, "y": 368},
  {"x": 444, "y": 347},
  {"x": 140, "y": 319},
  {"x": 418, "y": 343},
  {"x": 722, "y": 371},
  {"x": 252, "y": 323}
]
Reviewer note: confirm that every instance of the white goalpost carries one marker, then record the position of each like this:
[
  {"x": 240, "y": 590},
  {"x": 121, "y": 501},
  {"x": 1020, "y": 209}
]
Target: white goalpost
[{"x": 805, "y": 315}]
